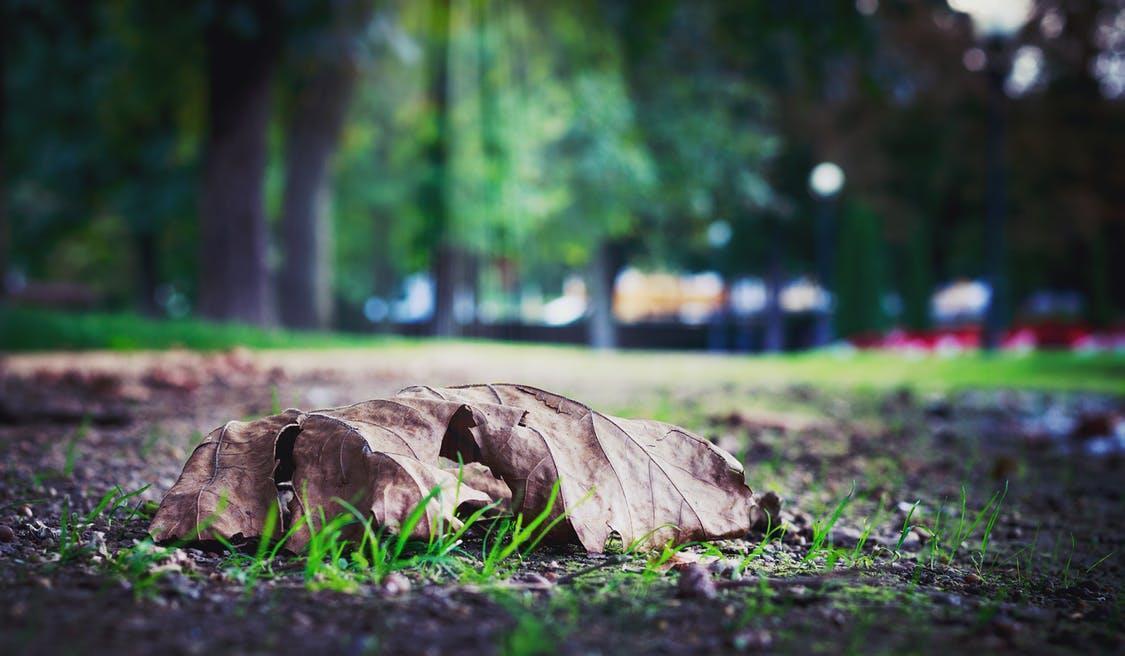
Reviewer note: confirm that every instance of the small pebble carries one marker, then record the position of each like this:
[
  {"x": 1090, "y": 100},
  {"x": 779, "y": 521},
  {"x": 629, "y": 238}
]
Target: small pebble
[
  {"x": 7, "y": 534},
  {"x": 695, "y": 582},
  {"x": 395, "y": 584},
  {"x": 725, "y": 568}
]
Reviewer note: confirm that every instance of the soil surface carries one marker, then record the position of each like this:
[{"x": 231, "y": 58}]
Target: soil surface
[{"x": 1031, "y": 561}]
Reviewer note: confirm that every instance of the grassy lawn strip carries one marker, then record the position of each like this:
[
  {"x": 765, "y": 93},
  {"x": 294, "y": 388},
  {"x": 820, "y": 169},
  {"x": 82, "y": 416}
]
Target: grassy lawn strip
[
  {"x": 24, "y": 329},
  {"x": 39, "y": 330}
]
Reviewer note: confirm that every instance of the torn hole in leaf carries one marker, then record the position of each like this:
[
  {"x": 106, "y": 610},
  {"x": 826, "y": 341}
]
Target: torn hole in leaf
[
  {"x": 458, "y": 443},
  {"x": 283, "y": 471},
  {"x": 283, "y": 454}
]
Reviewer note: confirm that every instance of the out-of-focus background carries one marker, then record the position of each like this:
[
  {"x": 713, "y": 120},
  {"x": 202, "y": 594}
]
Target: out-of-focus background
[
  {"x": 708, "y": 174},
  {"x": 915, "y": 207}
]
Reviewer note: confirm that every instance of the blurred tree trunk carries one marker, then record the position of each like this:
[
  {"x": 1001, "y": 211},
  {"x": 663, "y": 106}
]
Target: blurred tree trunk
[
  {"x": 996, "y": 203},
  {"x": 446, "y": 255},
  {"x": 446, "y": 269},
  {"x": 384, "y": 280},
  {"x": 1100, "y": 309},
  {"x": 773, "y": 338},
  {"x": 918, "y": 278},
  {"x": 859, "y": 278},
  {"x": 147, "y": 271},
  {"x": 242, "y": 52},
  {"x": 471, "y": 287},
  {"x": 603, "y": 271},
  {"x": 325, "y": 81}
]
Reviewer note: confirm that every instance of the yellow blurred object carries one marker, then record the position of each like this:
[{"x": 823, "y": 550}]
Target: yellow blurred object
[{"x": 692, "y": 298}]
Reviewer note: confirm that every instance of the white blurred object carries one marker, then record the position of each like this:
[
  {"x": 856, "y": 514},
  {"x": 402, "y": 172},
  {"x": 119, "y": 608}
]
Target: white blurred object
[
  {"x": 995, "y": 18},
  {"x": 804, "y": 295},
  {"x": 1027, "y": 68},
  {"x": 418, "y": 303},
  {"x": 569, "y": 307},
  {"x": 748, "y": 296},
  {"x": 964, "y": 299},
  {"x": 564, "y": 310},
  {"x": 826, "y": 179}
]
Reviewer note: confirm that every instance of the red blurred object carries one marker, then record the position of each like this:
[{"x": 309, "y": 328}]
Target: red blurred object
[{"x": 1044, "y": 335}]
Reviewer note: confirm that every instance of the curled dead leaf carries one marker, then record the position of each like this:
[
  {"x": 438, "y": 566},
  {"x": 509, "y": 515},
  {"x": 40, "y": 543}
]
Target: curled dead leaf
[
  {"x": 227, "y": 487},
  {"x": 597, "y": 476}
]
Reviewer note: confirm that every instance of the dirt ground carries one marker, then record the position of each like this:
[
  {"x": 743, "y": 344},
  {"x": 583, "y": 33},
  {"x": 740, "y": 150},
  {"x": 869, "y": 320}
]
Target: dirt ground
[{"x": 1046, "y": 579}]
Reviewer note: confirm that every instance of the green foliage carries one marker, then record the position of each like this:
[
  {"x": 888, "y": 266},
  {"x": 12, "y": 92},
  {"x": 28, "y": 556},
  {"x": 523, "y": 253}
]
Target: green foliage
[
  {"x": 859, "y": 279},
  {"x": 949, "y": 537},
  {"x": 140, "y": 566},
  {"x": 823, "y": 525},
  {"x": 906, "y": 525},
  {"x": 508, "y": 539},
  {"x": 566, "y": 125},
  {"x": 28, "y": 330},
  {"x": 72, "y": 543},
  {"x": 773, "y": 534}
]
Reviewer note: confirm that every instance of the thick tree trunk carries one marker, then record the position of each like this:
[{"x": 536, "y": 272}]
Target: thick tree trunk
[
  {"x": 444, "y": 266},
  {"x": 324, "y": 91},
  {"x": 603, "y": 271},
  {"x": 234, "y": 275},
  {"x": 445, "y": 270}
]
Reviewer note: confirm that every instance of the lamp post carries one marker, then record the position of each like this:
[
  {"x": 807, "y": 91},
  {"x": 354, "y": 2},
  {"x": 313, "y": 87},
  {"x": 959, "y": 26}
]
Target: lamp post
[
  {"x": 825, "y": 182},
  {"x": 995, "y": 22}
]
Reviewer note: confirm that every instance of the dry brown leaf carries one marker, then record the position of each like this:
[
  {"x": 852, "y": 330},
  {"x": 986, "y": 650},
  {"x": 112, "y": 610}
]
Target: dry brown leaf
[
  {"x": 648, "y": 482},
  {"x": 479, "y": 477},
  {"x": 373, "y": 467},
  {"x": 227, "y": 485}
]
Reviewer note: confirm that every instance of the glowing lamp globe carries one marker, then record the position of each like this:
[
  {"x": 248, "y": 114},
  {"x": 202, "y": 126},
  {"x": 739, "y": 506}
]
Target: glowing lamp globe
[
  {"x": 995, "y": 18},
  {"x": 826, "y": 179}
]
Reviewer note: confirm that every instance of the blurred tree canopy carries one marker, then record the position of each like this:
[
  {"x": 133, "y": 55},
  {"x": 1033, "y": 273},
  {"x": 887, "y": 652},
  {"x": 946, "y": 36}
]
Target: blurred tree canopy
[{"x": 284, "y": 160}]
